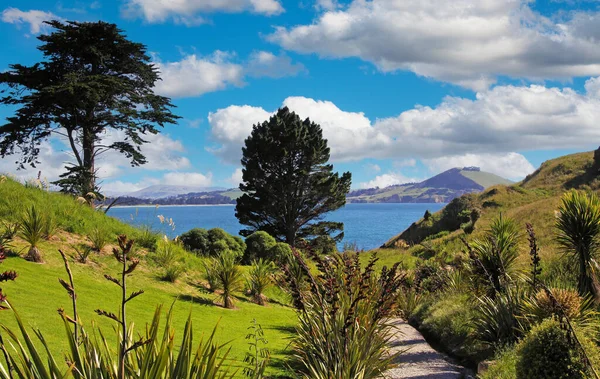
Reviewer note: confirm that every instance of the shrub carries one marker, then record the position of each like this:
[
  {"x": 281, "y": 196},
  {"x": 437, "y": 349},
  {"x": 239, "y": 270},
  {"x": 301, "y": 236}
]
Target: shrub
[
  {"x": 429, "y": 276},
  {"x": 195, "y": 240},
  {"x": 427, "y": 215},
  {"x": 258, "y": 245},
  {"x": 260, "y": 277},
  {"x": 169, "y": 256},
  {"x": 10, "y": 229},
  {"x": 32, "y": 231},
  {"x": 99, "y": 238},
  {"x": 342, "y": 330},
  {"x": 567, "y": 302},
  {"x": 224, "y": 274},
  {"x": 280, "y": 252},
  {"x": 212, "y": 242},
  {"x": 548, "y": 352}
]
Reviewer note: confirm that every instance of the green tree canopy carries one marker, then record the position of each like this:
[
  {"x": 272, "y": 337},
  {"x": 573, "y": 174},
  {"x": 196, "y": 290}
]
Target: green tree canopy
[
  {"x": 288, "y": 184},
  {"x": 92, "y": 80}
]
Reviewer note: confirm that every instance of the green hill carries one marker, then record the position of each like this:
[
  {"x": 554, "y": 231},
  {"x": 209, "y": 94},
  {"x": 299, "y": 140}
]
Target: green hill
[
  {"x": 37, "y": 294},
  {"x": 533, "y": 200},
  {"x": 439, "y": 189}
]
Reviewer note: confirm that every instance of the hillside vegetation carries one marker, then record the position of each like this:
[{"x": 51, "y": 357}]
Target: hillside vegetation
[
  {"x": 36, "y": 293},
  {"x": 533, "y": 200}
]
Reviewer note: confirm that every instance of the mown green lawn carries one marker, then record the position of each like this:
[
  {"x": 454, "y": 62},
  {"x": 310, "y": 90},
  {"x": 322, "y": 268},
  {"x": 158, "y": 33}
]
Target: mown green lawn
[{"x": 36, "y": 294}]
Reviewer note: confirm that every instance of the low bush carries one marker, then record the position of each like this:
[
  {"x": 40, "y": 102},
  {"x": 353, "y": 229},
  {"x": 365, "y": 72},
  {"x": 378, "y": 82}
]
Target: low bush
[
  {"x": 212, "y": 242},
  {"x": 173, "y": 272},
  {"x": 82, "y": 252},
  {"x": 147, "y": 237},
  {"x": 497, "y": 319},
  {"x": 50, "y": 226},
  {"x": 258, "y": 246},
  {"x": 547, "y": 352}
]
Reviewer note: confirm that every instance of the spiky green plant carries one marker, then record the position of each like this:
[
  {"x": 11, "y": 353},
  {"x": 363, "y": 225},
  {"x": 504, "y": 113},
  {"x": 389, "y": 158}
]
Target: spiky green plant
[
  {"x": 99, "y": 237},
  {"x": 32, "y": 231},
  {"x": 343, "y": 329},
  {"x": 260, "y": 277},
  {"x": 225, "y": 275},
  {"x": 578, "y": 225},
  {"x": 493, "y": 257},
  {"x": 50, "y": 226},
  {"x": 497, "y": 320}
]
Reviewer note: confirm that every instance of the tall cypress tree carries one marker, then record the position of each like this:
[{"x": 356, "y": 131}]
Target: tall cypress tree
[
  {"x": 92, "y": 80},
  {"x": 288, "y": 184}
]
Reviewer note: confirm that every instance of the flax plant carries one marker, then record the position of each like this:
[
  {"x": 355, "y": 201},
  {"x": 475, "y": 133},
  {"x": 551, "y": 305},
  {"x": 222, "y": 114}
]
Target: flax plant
[{"x": 344, "y": 328}]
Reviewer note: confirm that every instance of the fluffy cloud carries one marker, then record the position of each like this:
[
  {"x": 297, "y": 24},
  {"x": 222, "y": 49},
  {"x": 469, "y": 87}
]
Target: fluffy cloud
[
  {"x": 266, "y": 64},
  {"x": 389, "y": 179},
  {"x": 236, "y": 178},
  {"x": 511, "y": 165},
  {"x": 194, "y": 179},
  {"x": 194, "y": 75},
  {"x": 34, "y": 18},
  {"x": 466, "y": 42},
  {"x": 187, "y": 11},
  {"x": 502, "y": 120}
]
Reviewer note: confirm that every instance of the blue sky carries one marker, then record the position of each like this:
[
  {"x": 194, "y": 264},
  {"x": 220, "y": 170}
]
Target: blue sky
[{"x": 404, "y": 89}]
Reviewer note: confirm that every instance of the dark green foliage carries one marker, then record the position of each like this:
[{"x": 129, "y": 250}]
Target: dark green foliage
[
  {"x": 429, "y": 276},
  {"x": 93, "y": 80},
  {"x": 287, "y": 183},
  {"x": 548, "y": 353},
  {"x": 280, "y": 252},
  {"x": 497, "y": 320},
  {"x": 427, "y": 215},
  {"x": 578, "y": 227},
  {"x": 195, "y": 240},
  {"x": 212, "y": 242},
  {"x": 493, "y": 257},
  {"x": 258, "y": 246},
  {"x": 457, "y": 212},
  {"x": 534, "y": 254},
  {"x": 323, "y": 245}
]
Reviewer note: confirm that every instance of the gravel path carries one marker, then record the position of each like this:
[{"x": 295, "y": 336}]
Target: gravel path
[{"x": 419, "y": 360}]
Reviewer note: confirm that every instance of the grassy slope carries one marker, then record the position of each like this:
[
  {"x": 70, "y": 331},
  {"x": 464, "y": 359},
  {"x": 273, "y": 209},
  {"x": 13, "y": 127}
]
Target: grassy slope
[
  {"x": 485, "y": 179},
  {"x": 534, "y": 200},
  {"x": 37, "y": 294}
]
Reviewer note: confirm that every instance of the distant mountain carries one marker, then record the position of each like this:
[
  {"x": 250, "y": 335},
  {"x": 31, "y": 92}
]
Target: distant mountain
[
  {"x": 161, "y": 191},
  {"x": 439, "y": 189}
]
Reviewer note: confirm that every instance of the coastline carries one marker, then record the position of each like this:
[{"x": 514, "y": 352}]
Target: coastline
[{"x": 172, "y": 205}]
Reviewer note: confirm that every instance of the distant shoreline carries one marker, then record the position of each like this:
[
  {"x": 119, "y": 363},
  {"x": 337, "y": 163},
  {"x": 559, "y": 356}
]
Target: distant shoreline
[{"x": 172, "y": 205}]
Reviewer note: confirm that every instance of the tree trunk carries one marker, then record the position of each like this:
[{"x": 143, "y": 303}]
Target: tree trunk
[
  {"x": 290, "y": 238},
  {"x": 89, "y": 175},
  {"x": 34, "y": 255}
]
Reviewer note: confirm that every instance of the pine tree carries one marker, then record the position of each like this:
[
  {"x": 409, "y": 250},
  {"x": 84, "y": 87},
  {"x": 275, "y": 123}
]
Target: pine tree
[
  {"x": 92, "y": 80},
  {"x": 288, "y": 184}
]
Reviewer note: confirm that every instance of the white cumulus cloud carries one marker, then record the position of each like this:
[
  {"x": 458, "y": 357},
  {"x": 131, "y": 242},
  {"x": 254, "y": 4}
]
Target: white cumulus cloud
[
  {"x": 189, "y": 12},
  {"x": 267, "y": 64},
  {"x": 465, "y": 42},
  {"x": 389, "y": 179},
  {"x": 34, "y": 18},
  {"x": 504, "y": 119}
]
